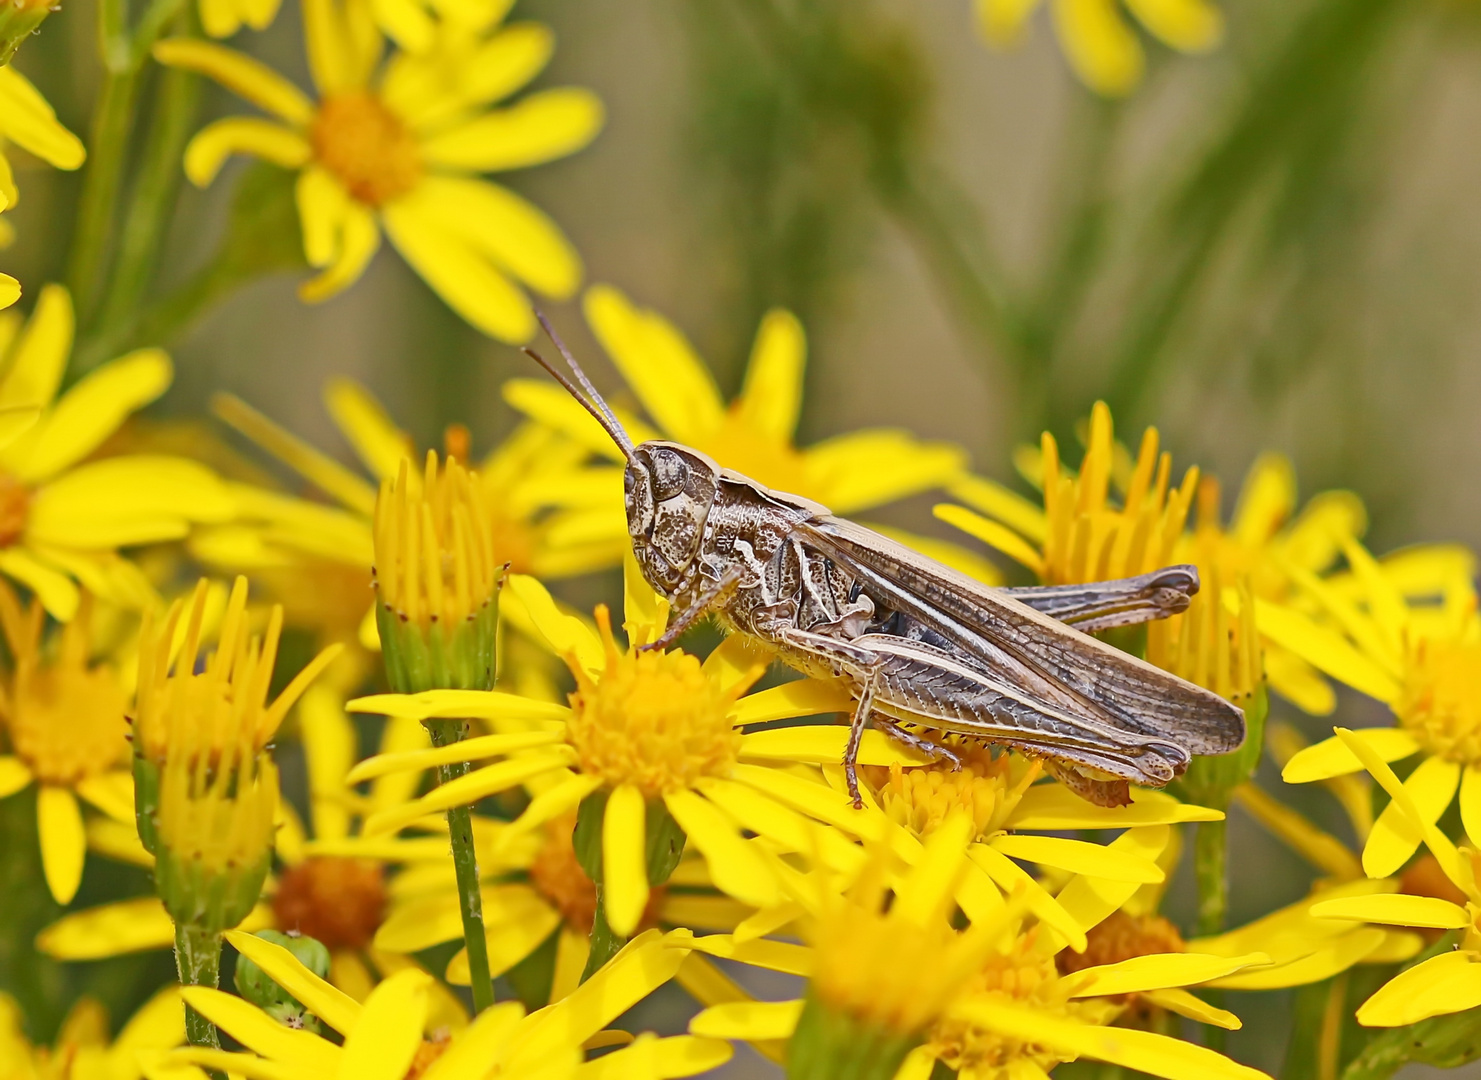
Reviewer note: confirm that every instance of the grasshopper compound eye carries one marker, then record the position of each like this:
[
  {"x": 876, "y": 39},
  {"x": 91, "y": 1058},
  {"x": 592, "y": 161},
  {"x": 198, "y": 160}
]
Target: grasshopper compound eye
[{"x": 670, "y": 474}]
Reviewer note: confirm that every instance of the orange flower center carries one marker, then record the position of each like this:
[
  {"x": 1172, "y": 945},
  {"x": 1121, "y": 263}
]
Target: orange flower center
[
  {"x": 922, "y": 798},
  {"x": 430, "y": 1050},
  {"x": 338, "y": 901},
  {"x": 558, "y": 876},
  {"x": 1441, "y": 701},
  {"x": 68, "y": 723},
  {"x": 15, "y": 501},
  {"x": 366, "y": 146}
]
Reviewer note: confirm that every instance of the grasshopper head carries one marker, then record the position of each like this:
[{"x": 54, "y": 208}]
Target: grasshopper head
[{"x": 668, "y": 490}]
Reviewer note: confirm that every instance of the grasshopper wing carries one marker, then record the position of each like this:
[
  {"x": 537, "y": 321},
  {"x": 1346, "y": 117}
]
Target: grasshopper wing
[{"x": 988, "y": 624}]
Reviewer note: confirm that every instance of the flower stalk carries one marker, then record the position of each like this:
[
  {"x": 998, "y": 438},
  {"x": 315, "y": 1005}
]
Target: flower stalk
[{"x": 198, "y": 962}]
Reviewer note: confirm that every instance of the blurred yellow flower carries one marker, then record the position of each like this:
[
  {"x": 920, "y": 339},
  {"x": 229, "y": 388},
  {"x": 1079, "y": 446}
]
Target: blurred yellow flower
[
  {"x": 390, "y": 1037},
  {"x": 1449, "y": 982},
  {"x": 10, "y": 290},
  {"x": 754, "y": 434},
  {"x": 1420, "y": 655},
  {"x": 29, "y": 122},
  {"x": 63, "y": 717},
  {"x": 223, "y": 18},
  {"x": 1098, "y": 44},
  {"x": 82, "y": 1047},
  {"x": 64, "y": 517},
  {"x": 397, "y": 148},
  {"x": 1010, "y": 1013}
]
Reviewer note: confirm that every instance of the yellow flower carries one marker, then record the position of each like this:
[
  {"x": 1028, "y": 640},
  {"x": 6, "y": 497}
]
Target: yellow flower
[
  {"x": 1423, "y": 660},
  {"x": 63, "y": 517},
  {"x": 10, "y": 290},
  {"x": 548, "y": 511},
  {"x": 223, "y": 18},
  {"x": 388, "y": 1037},
  {"x": 1010, "y": 1013},
  {"x": 397, "y": 148},
  {"x": 754, "y": 434},
  {"x": 1451, "y": 981},
  {"x": 1083, "y": 534},
  {"x": 29, "y": 122},
  {"x": 64, "y": 720},
  {"x": 1101, "y": 48},
  {"x": 644, "y": 726},
  {"x": 82, "y": 1047}
]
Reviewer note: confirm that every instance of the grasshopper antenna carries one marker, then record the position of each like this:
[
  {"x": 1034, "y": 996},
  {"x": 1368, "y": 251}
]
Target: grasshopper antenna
[{"x": 591, "y": 401}]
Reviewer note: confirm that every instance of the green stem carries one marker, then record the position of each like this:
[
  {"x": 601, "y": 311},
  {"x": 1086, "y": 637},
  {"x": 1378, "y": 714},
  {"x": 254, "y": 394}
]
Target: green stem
[
  {"x": 604, "y": 943},
  {"x": 1211, "y": 871},
  {"x": 176, "y": 101},
  {"x": 198, "y": 960},
  {"x": 108, "y": 147},
  {"x": 465, "y": 866}
]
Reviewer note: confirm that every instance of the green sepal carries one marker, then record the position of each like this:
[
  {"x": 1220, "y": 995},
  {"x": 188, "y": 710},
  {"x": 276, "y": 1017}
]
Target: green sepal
[
  {"x": 258, "y": 987},
  {"x": 1210, "y": 779},
  {"x": 439, "y": 656},
  {"x": 209, "y": 900},
  {"x": 832, "y": 1045},
  {"x": 146, "y": 802},
  {"x": 664, "y": 838}
]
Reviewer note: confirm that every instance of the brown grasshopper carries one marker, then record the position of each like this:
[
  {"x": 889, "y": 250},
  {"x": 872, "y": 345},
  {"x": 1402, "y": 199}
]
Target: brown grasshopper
[{"x": 918, "y": 642}]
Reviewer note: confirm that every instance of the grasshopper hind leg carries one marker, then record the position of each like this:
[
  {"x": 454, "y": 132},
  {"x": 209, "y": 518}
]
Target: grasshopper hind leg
[
  {"x": 928, "y": 748},
  {"x": 1110, "y": 792}
]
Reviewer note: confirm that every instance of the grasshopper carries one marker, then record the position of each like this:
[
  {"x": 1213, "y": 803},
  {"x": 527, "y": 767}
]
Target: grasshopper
[{"x": 917, "y": 642}]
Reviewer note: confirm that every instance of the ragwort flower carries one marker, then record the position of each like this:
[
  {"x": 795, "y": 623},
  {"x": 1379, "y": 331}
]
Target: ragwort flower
[
  {"x": 10, "y": 290},
  {"x": 29, "y": 122},
  {"x": 389, "y": 1037},
  {"x": 754, "y": 433},
  {"x": 64, "y": 517},
  {"x": 987, "y": 1001},
  {"x": 64, "y": 717},
  {"x": 1103, "y": 51},
  {"x": 398, "y": 148},
  {"x": 82, "y": 1047},
  {"x": 1420, "y": 655}
]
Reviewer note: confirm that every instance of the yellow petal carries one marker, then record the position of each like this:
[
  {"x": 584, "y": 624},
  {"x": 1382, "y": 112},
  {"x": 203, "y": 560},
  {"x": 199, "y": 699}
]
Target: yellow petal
[
  {"x": 180, "y": 1065},
  {"x": 652, "y": 1058},
  {"x": 334, "y": 1007},
  {"x": 359, "y": 240},
  {"x": 1011, "y": 878},
  {"x": 389, "y": 1031},
  {"x": 1194, "y": 1008},
  {"x": 1315, "y": 537},
  {"x": 322, "y": 204},
  {"x": 259, "y": 1032},
  {"x": 824, "y": 744},
  {"x": 39, "y": 355},
  {"x": 736, "y": 866},
  {"x": 329, "y": 746},
  {"x": 1186, "y": 25},
  {"x": 1448, "y": 983},
  {"x": 366, "y": 425},
  {"x": 1395, "y": 837},
  {"x": 1322, "y": 962},
  {"x": 110, "y": 930},
  {"x": 1159, "y": 972},
  {"x": 509, "y": 941},
  {"x": 878, "y": 465},
  {"x": 468, "y": 789},
  {"x": 562, "y": 633},
  {"x": 349, "y": 489},
  {"x": 542, "y": 127},
  {"x": 771, "y": 399},
  {"x": 624, "y": 865},
  {"x": 1470, "y": 804},
  {"x": 122, "y": 501},
  {"x": 251, "y": 135},
  {"x": 28, "y": 121},
  {"x": 1319, "y": 848},
  {"x": 1001, "y": 22},
  {"x": 157, "y": 1024},
  {"x": 658, "y": 362},
  {"x": 111, "y": 792},
  {"x": 801, "y": 697},
  {"x": 57, "y": 593},
  {"x": 10, "y": 288},
  {"x": 1159, "y": 1055},
  {"x": 14, "y": 775},
  {"x": 482, "y": 746},
  {"x": 1053, "y": 807},
  {"x": 1298, "y": 682},
  {"x": 1397, "y": 909},
  {"x": 748, "y": 1020},
  {"x": 1089, "y": 900},
  {"x": 1079, "y": 857},
  {"x": 1326, "y": 650},
  {"x": 812, "y": 798},
  {"x": 240, "y": 74},
  {"x": 1099, "y": 45},
  {"x": 1002, "y": 504},
  {"x": 550, "y": 405},
  {"x": 993, "y": 534},
  {"x": 63, "y": 841},
  {"x": 511, "y": 232},
  {"x": 1267, "y": 499},
  {"x": 473, "y": 704},
  {"x": 1331, "y": 757},
  {"x": 645, "y": 613},
  {"x": 478, "y": 1044},
  {"x": 463, "y": 276},
  {"x": 91, "y": 411}
]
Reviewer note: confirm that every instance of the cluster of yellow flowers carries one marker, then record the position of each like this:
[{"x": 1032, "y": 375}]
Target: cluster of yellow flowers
[{"x": 560, "y": 816}]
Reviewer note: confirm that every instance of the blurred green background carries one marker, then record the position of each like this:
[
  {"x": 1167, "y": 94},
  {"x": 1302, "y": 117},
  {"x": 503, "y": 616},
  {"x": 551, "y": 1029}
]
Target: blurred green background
[{"x": 1273, "y": 246}]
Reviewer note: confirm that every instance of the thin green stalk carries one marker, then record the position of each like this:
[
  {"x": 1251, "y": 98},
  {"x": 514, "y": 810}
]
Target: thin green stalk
[
  {"x": 1211, "y": 871},
  {"x": 176, "y": 101},
  {"x": 107, "y": 149},
  {"x": 465, "y": 866},
  {"x": 198, "y": 960},
  {"x": 605, "y": 944}
]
